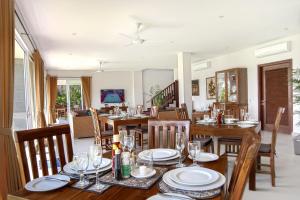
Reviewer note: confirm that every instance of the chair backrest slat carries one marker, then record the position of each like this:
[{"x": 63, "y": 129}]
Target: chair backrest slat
[
  {"x": 61, "y": 152},
  {"x": 242, "y": 167},
  {"x": 23, "y": 156},
  {"x": 43, "y": 157},
  {"x": 279, "y": 114},
  {"x": 38, "y": 140},
  {"x": 52, "y": 155},
  {"x": 161, "y": 133},
  {"x": 33, "y": 161}
]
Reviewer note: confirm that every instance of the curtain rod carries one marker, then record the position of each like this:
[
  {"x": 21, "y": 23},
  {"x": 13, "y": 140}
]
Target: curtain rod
[{"x": 26, "y": 32}]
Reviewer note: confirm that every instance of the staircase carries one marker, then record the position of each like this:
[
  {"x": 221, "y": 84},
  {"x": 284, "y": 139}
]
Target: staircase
[{"x": 167, "y": 96}]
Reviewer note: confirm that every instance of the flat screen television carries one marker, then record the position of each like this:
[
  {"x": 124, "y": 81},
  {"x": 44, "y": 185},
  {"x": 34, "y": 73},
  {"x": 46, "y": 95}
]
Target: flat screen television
[{"x": 112, "y": 96}]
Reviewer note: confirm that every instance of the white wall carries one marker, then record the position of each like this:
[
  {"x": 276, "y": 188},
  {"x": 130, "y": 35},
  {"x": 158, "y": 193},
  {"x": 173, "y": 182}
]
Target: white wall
[
  {"x": 152, "y": 77},
  {"x": 135, "y": 83},
  {"x": 245, "y": 58}
]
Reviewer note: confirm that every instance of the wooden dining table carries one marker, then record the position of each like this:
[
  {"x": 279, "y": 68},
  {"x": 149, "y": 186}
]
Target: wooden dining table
[
  {"x": 224, "y": 130},
  {"x": 116, "y": 122},
  {"x": 117, "y": 192}
]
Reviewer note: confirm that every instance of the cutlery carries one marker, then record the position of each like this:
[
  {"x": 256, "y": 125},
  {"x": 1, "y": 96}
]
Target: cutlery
[
  {"x": 57, "y": 179},
  {"x": 175, "y": 196}
]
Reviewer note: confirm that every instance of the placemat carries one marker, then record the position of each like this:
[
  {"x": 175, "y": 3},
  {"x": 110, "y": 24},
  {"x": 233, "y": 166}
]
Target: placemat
[
  {"x": 166, "y": 162},
  {"x": 163, "y": 187},
  {"x": 141, "y": 183}
]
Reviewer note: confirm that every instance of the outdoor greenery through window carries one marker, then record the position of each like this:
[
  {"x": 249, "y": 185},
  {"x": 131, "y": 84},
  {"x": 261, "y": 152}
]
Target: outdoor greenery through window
[{"x": 69, "y": 96}]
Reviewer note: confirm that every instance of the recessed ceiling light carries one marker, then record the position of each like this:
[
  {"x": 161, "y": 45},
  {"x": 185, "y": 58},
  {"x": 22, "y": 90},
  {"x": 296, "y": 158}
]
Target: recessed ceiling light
[{"x": 221, "y": 16}]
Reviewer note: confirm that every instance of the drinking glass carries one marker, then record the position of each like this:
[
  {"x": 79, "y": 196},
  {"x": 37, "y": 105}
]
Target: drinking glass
[
  {"x": 129, "y": 142},
  {"x": 206, "y": 117},
  {"x": 180, "y": 144},
  {"x": 82, "y": 162},
  {"x": 96, "y": 159},
  {"x": 193, "y": 148},
  {"x": 122, "y": 134}
]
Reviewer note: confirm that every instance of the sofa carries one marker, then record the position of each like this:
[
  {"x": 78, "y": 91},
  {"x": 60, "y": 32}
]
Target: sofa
[{"x": 82, "y": 124}]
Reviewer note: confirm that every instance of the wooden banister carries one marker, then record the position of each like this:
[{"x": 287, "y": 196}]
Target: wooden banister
[{"x": 168, "y": 95}]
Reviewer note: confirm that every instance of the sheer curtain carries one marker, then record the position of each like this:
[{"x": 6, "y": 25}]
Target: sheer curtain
[
  {"x": 51, "y": 98},
  {"x": 86, "y": 91},
  {"x": 9, "y": 169},
  {"x": 39, "y": 88}
]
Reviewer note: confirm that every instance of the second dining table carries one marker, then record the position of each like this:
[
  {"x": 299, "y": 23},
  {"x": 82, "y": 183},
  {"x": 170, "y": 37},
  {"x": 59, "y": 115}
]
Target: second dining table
[{"x": 116, "y": 121}]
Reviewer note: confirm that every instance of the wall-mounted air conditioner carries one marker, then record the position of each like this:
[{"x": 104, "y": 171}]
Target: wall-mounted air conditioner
[
  {"x": 273, "y": 49},
  {"x": 201, "y": 65}
]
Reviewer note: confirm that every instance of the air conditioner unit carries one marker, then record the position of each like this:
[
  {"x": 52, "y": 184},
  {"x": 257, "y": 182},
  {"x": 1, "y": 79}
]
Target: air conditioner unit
[
  {"x": 273, "y": 49},
  {"x": 198, "y": 66}
]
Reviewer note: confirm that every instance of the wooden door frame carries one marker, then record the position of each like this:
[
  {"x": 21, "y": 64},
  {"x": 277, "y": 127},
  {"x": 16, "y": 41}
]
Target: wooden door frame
[{"x": 260, "y": 68}]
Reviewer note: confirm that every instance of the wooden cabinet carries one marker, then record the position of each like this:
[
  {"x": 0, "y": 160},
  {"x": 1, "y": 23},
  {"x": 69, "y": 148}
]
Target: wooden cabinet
[{"x": 232, "y": 90}]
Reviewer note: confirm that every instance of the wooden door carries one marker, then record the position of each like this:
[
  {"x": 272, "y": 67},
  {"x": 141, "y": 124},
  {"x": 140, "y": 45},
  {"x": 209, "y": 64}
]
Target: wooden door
[{"x": 275, "y": 90}]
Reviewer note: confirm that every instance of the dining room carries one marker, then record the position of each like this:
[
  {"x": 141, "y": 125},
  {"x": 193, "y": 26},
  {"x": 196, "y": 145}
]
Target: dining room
[{"x": 149, "y": 100}]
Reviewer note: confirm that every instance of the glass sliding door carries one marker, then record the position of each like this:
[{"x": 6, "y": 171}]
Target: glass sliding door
[
  {"x": 24, "y": 87},
  {"x": 69, "y": 97}
]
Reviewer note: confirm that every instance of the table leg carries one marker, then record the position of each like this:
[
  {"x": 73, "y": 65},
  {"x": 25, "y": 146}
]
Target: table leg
[{"x": 252, "y": 177}]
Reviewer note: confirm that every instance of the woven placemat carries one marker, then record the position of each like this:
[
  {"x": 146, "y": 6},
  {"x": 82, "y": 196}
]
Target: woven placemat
[
  {"x": 163, "y": 187},
  {"x": 141, "y": 183},
  {"x": 166, "y": 162}
]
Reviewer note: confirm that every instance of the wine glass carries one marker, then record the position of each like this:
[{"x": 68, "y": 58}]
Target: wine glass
[
  {"x": 82, "y": 162},
  {"x": 129, "y": 142},
  {"x": 96, "y": 159},
  {"x": 122, "y": 134},
  {"x": 193, "y": 148},
  {"x": 180, "y": 144}
]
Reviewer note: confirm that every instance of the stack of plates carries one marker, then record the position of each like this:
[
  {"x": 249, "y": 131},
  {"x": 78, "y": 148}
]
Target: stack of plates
[
  {"x": 71, "y": 167},
  {"x": 194, "y": 179},
  {"x": 159, "y": 154}
]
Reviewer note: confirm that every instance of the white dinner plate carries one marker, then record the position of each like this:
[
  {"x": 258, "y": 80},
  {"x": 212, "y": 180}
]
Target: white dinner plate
[
  {"x": 114, "y": 117},
  {"x": 209, "y": 121},
  {"x": 168, "y": 196},
  {"x": 69, "y": 168},
  {"x": 159, "y": 154},
  {"x": 193, "y": 176},
  {"x": 136, "y": 174},
  {"x": 248, "y": 122},
  {"x": 47, "y": 183},
  {"x": 217, "y": 184},
  {"x": 206, "y": 157}
]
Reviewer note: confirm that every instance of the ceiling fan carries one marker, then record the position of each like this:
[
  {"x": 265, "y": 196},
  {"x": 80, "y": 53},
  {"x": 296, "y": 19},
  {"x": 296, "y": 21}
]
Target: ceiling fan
[{"x": 136, "y": 38}]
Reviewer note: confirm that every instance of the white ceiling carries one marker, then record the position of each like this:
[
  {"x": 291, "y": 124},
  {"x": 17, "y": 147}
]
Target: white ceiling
[{"x": 74, "y": 34}]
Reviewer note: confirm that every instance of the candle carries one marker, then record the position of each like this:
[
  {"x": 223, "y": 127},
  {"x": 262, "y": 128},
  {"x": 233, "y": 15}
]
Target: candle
[{"x": 143, "y": 170}]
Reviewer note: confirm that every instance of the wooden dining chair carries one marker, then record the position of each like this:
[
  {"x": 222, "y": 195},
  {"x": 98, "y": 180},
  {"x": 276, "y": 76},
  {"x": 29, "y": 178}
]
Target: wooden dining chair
[
  {"x": 242, "y": 167},
  {"x": 162, "y": 133},
  {"x": 44, "y": 139},
  {"x": 232, "y": 144},
  {"x": 102, "y": 137},
  {"x": 140, "y": 131},
  {"x": 207, "y": 142},
  {"x": 269, "y": 150}
]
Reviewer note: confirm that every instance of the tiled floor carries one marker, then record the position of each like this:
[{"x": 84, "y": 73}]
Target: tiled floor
[{"x": 287, "y": 171}]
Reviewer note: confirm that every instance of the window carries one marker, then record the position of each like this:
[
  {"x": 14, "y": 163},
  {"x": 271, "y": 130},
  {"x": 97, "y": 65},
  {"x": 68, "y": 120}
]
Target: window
[
  {"x": 24, "y": 98},
  {"x": 69, "y": 96}
]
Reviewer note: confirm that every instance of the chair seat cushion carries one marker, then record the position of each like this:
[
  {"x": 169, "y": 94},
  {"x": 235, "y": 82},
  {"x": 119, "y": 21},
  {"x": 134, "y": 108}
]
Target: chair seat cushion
[
  {"x": 265, "y": 148},
  {"x": 204, "y": 141}
]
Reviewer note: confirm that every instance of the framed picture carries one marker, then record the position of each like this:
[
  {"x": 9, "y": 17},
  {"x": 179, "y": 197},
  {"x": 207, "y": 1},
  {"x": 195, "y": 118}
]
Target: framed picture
[
  {"x": 210, "y": 88},
  {"x": 195, "y": 88}
]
